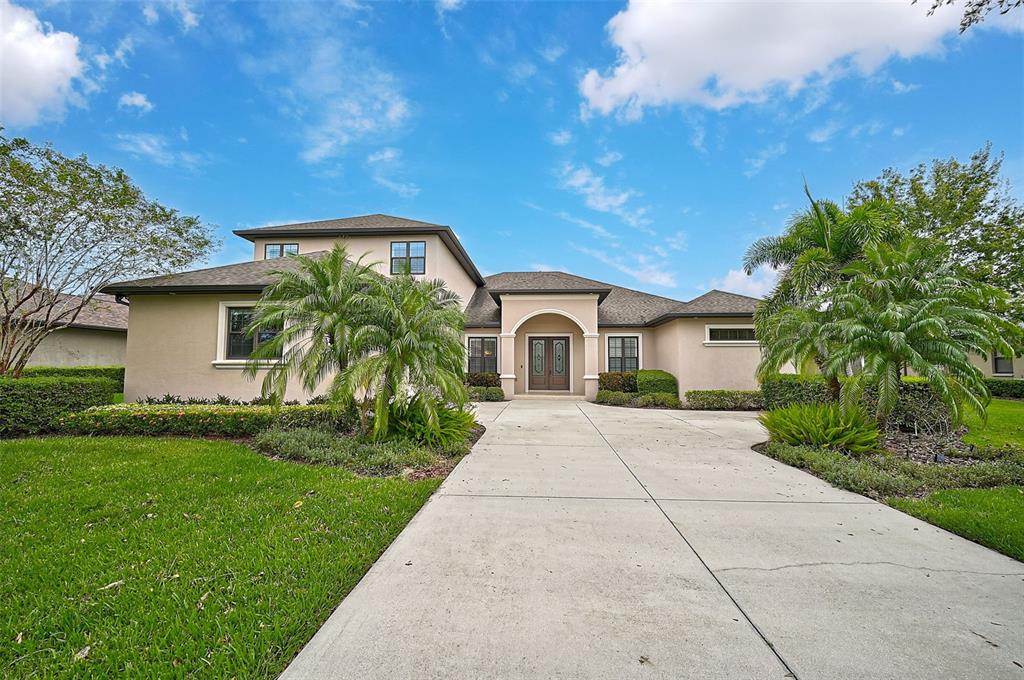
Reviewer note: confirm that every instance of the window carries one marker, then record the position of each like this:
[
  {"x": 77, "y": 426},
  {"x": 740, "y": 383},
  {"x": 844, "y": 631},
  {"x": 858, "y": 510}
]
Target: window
[
  {"x": 409, "y": 257},
  {"x": 624, "y": 353},
  {"x": 240, "y": 344},
  {"x": 483, "y": 355},
  {"x": 1002, "y": 365},
  {"x": 730, "y": 334},
  {"x": 272, "y": 250}
]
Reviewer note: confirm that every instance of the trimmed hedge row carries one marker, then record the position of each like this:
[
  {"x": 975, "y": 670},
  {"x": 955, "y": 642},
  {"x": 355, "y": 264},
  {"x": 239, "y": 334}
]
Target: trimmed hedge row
[
  {"x": 650, "y": 400},
  {"x": 725, "y": 400},
  {"x": 483, "y": 380},
  {"x": 201, "y": 420},
  {"x": 1006, "y": 387},
  {"x": 786, "y": 389},
  {"x": 486, "y": 394},
  {"x": 650, "y": 382},
  {"x": 115, "y": 373},
  {"x": 30, "y": 405},
  {"x": 616, "y": 381}
]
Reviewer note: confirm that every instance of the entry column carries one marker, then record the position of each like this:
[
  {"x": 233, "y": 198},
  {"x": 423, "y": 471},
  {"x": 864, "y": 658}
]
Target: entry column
[
  {"x": 590, "y": 370},
  {"x": 508, "y": 364}
]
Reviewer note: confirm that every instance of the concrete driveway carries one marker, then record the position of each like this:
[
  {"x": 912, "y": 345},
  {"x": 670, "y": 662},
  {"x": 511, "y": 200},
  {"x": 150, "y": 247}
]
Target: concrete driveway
[{"x": 583, "y": 541}]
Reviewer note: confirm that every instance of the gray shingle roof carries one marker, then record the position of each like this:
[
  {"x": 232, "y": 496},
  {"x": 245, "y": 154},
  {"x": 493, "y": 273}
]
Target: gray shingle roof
[
  {"x": 103, "y": 312},
  {"x": 245, "y": 276},
  {"x": 618, "y": 306}
]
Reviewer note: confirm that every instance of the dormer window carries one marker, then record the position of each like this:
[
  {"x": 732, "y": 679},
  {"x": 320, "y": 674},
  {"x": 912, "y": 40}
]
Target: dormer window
[
  {"x": 408, "y": 257},
  {"x": 272, "y": 250}
]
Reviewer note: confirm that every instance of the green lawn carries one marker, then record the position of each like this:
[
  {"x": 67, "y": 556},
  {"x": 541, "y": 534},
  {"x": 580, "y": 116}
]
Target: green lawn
[
  {"x": 1005, "y": 425},
  {"x": 992, "y": 517},
  {"x": 155, "y": 557}
]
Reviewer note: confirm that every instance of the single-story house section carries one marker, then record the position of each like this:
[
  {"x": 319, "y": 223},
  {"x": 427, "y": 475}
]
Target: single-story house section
[
  {"x": 98, "y": 337},
  {"x": 542, "y": 332}
]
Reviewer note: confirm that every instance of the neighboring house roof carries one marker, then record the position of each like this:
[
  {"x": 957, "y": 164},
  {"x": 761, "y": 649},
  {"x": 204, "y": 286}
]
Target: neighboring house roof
[
  {"x": 102, "y": 312},
  {"x": 370, "y": 225},
  {"x": 250, "y": 277},
  {"x": 617, "y": 306}
]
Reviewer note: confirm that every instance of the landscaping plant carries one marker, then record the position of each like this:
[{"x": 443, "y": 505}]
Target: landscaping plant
[
  {"x": 650, "y": 381},
  {"x": 828, "y": 426},
  {"x": 724, "y": 400},
  {"x": 30, "y": 405}
]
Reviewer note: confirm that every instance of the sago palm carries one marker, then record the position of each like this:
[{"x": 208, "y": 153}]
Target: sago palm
[
  {"x": 317, "y": 308},
  {"x": 413, "y": 334}
]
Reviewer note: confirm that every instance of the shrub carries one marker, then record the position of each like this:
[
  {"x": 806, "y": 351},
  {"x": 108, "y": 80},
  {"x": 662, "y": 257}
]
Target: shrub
[
  {"x": 450, "y": 428},
  {"x": 827, "y": 426},
  {"x": 658, "y": 400},
  {"x": 784, "y": 389},
  {"x": 615, "y": 381},
  {"x": 486, "y": 394},
  {"x": 29, "y": 405},
  {"x": 612, "y": 398},
  {"x": 115, "y": 373},
  {"x": 202, "y": 420},
  {"x": 648, "y": 382},
  {"x": 917, "y": 409},
  {"x": 483, "y": 380},
  {"x": 355, "y": 453},
  {"x": 1005, "y": 387},
  {"x": 725, "y": 400}
]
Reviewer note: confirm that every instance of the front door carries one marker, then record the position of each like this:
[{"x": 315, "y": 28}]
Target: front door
[{"x": 549, "y": 363}]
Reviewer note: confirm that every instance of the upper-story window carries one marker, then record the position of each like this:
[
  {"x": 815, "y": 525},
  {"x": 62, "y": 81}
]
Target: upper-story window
[
  {"x": 1002, "y": 365},
  {"x": 272, "y": 250},
  {"x": 409, "y": 257}
]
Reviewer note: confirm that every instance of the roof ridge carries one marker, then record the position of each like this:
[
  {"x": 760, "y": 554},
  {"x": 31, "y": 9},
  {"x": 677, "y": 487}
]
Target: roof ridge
[
  {"x": 341, "y": 219},
  {"x": 586, "y": 278}
]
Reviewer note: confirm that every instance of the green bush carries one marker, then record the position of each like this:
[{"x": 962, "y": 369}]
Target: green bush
[
  {"x": 1006, "y": 387},
  {"x": 658, "y": 400},
  {"x": 785, "y": 389},
  {"x": 917, "y": 409},
  {"x": 115, "y": 373},
  {"x": 648, "y": 382},
  {"x": 823, "y": 425},
  {"x": 486, "y": 394},
  {"x": 615, "y": 381},
  {"x": 450, "y": 428},
  {"x": 202, "y": 420},
  {"x": 355, "y": 453},
  {"x": 30, "y": 405},
  {"x": 483, "y": 380},
  {"x": 725, "y": 400},
  {"x": 612, "y": 398}
]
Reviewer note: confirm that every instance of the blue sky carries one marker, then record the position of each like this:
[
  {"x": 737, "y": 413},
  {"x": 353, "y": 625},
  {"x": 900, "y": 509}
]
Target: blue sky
[{"x": 645, "y": 145}]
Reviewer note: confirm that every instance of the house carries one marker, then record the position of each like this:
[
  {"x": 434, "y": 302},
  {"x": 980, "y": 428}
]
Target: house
[{"x": 97, "y": 337}]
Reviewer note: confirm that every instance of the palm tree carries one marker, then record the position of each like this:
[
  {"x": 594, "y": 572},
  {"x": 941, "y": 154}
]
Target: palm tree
[
  {"x": 312, "y": 313},
  {"x": 413, "y": 338}
]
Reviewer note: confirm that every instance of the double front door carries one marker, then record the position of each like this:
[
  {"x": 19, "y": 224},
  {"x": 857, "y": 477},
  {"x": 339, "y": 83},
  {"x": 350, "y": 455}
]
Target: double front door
[{"x": 549, "y": 363}]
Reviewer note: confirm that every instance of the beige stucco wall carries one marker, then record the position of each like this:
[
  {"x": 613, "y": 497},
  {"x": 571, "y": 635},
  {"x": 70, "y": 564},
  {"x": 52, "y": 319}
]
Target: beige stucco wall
[
  {"x": 441, "y": 263},
  {"x": 679, "y": 349},
  {"x": 80, "y": 347},
  {"x": 986, "y": 366},
  {"x": 172, "y": 342}
]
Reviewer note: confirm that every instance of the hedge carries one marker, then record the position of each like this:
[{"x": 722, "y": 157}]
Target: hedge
[
  {"x": 786, "y": 389},
  {"x": 613, "y": 398},
  {"x": 615, "y": 381},
  {"x": 658, "y": 400},
  {"x": 29, "y": 405},
  {"x": 724, "y": 400},
  {"x": 649, "y": 382},
  {"x": 1006, "y": 387},
  {"x": 486, "y": 394},
  {"x": 483, "y": 380},
  {"x": 201, "y": 420},
  {"x": 115, "y": 373}
]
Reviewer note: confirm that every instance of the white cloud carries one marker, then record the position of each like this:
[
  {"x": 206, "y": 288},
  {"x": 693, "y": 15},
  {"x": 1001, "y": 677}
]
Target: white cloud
[
  {"x": 757, "y": 285},
  {"x": 385, "y": 165},
  {"x": 38, "y": 68},
  {"x": 595, "y": 229},
  {"x": 149, "y": 14},
  {"x": 135, "y": 100},
  {"x": 697, "y": 138},
  {"x": 560, "y": 137},
  {"x": 722, "y": 54},
  {"x": 677, "y": 241},
  {"x": 522, "y": 71},
  {"x": 157, "y": 149},
  {"x": 870, "y": 129},
  {"x": 183, "y": 9},
  {"x": 449, "y": 5},
  {"x": 902, "y": 88},
  {"x": 609, "y": 158},
  {"x": 899, "y": 131},
  {"x": 551, "y": 53},
  {"x": 824, "y": 133},
  {"x": 639, "y": 267},
  {"x": 780, "y": 205},
  {"x": 600, "y": 197},
  {"x": 757, "y": 163}
]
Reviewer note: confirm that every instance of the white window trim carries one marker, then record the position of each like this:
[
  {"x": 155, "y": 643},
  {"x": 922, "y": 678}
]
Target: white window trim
[
  {"x": 497, "y": 347},
  {"x": 639, "y": 348},
  {"x": 526, "y": 365},
  {"x": 1002, "y": 375},
  {"x": 708, "y": 342},
  {"x": 222, "y": 339}
]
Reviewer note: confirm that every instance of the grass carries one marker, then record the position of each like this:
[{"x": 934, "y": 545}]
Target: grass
[
  {"x": 991, "y": 517},
  {"x": 1005, "y": 425},
  {"x": 152, "y": 557}
]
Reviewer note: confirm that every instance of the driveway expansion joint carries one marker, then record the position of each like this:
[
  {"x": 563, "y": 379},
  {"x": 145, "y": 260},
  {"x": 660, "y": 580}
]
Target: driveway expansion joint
[{"x": 803, "y": 565}]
